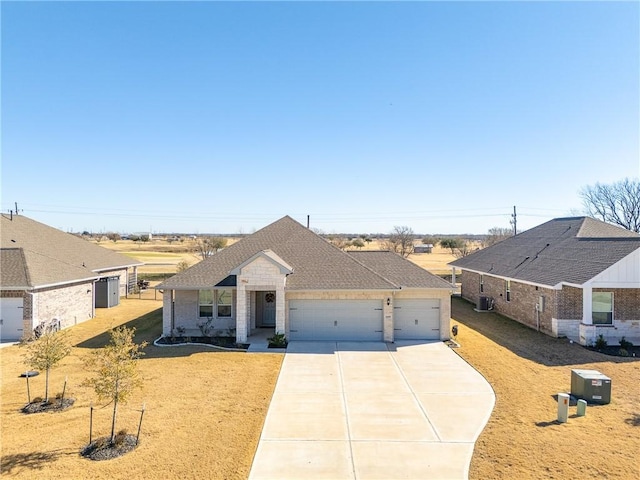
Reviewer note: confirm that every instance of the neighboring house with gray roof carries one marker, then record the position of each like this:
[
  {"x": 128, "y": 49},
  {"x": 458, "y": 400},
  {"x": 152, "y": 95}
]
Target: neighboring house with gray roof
[
  {"x": 286, "y": 278},
  {"x": 576, "y": 277},
  {"x": 51, "y": 277}
]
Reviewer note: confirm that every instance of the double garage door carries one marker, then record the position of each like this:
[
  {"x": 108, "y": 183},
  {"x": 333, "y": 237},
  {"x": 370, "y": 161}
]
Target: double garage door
[
  {"x": 361, "y": 320},
  {"x": 347, "y": 320}
]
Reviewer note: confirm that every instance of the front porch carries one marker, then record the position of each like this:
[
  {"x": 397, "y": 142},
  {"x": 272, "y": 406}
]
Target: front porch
[
  {"x": 260, "y": 294},
  {"x": 259, "y": 343}
]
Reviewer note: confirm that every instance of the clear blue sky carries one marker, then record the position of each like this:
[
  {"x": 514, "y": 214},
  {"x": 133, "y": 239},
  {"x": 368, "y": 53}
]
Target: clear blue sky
[{"x": 222, "y": 117}]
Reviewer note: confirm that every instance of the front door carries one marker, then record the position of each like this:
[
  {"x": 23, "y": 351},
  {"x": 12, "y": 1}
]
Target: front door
[{"x": 268, "y": 309}]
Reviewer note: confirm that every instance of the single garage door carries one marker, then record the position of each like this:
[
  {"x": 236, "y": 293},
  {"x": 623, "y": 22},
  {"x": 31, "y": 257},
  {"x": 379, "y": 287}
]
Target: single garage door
[
  {"x": 11, "y": 326},
  {"x": 416, "y": 319},
  {"x": 349, "y": 320}
]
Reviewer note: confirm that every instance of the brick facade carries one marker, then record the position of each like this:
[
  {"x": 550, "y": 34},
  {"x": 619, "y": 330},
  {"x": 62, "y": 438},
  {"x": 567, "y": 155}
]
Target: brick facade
[
  {"x": 70, "y": 305},
  {"x": 185, "y": 304},
  {"x": 187, "y": 311},
  {"x": 522, "y": 302},
  {"x": 569, "y": 303},
  {"x": 562, "y": 313}
]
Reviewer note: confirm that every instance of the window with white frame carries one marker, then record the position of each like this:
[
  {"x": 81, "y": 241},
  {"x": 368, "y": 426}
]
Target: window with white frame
[
  {"x": 481, "y": 283},
  {"x": 602, "y": 308},
  {"x": 508, "y": 291},
  {"x": 205, "y": 303},
  {"x": 224, "y": 298}
]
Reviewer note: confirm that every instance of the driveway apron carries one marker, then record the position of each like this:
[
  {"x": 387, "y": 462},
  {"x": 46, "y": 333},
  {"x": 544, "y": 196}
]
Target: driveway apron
[{"x": 359, "y": 410}]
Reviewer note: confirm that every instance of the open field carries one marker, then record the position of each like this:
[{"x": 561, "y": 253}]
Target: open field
[
  {"x": 204, "y": 409},
  {"x": 435, "y": 262},
  {"x": 526, "y": 369}
]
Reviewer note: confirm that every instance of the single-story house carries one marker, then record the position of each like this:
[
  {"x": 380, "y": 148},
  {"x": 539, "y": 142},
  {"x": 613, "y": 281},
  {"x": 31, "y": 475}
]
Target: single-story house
[
  {"x": 287, "y": 278},
  {"x": 49, "y": 277},
  {"x": 576, "y": 277}
]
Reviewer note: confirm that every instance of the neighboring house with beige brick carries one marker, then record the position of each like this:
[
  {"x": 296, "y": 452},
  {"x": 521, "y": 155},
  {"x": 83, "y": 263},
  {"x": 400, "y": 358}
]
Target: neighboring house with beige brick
[
  {"x": 54, "y": 278},
  {"x": 576, "y": 277},
  {"x": 288, "y": 279}
]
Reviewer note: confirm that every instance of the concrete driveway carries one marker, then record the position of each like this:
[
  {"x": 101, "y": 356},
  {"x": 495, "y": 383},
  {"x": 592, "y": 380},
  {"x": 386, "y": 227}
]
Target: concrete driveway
[{"x": 372, "y": 411}]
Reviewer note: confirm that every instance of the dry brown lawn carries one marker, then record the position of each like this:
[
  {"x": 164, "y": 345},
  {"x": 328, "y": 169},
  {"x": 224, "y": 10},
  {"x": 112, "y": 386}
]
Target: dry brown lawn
[
  {"x": 526, "y": 369},
  {"x": 204, "y": 408}
]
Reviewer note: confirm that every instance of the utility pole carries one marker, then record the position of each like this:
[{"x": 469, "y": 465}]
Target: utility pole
[{"x": 514, "y": 221}]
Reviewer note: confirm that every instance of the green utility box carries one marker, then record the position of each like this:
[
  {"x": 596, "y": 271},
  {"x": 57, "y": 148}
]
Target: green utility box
[{"x": 591, "y": 385}]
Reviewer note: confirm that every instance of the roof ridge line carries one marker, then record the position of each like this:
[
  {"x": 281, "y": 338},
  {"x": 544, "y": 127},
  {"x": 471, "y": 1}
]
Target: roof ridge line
[{"x": 26, "y": 267}]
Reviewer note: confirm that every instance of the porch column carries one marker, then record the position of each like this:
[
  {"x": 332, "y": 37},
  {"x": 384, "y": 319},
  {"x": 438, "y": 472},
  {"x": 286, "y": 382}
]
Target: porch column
[
  {"x": 167, "y": 312},
  {"x": 587, "y": 300},
  {"x": 280, "y": 310},
  {"x": 241, "y": 315},
  {"x": 453, "y": 276}
]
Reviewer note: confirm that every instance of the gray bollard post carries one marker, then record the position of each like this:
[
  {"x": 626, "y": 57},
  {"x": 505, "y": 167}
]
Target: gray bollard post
[
  {"x": 582, "y": 408},
  {"x": 563, "y": 407}
]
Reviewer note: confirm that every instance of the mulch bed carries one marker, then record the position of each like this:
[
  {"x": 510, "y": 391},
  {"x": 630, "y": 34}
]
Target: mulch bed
[
  {"x": 51, "y": 406},
  {"x": 226, "y": 342},
  {"x": 103, "y": 449},
  {"x": 615, "y": 350}
]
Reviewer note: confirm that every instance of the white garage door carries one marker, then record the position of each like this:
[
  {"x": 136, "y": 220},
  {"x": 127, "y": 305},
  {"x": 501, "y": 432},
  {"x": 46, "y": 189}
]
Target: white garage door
[
  {"x": 349, "y": 320},
  {"x": 416, "y": 319},
  {"x": 11, "y": 325}
]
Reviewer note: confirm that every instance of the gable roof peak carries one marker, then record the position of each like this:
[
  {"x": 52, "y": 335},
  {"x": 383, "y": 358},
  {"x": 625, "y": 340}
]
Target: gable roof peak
[{"x": 594, "y": 228}]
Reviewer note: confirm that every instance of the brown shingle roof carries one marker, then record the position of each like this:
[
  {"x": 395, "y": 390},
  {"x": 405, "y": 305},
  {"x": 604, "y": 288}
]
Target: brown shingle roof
[
  {"x": 51, "y": 256},
  {"x": 399, "y": 270},
  {"x": 13, "y": 268},
  {"x": 570, "y": 250},
  {"x": 316, "y": 264}
]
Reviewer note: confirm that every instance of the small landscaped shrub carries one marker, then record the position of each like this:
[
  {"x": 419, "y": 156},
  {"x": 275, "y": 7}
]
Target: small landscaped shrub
[
  {"x": 623, "y": 353},
  {"x": 625, "y": 344},
  {"x": 601, "y": 342},
  {"x": 206, "y": 327},
  {"x": 277, "y": 341},
  {"x": 120, "y": 438}
]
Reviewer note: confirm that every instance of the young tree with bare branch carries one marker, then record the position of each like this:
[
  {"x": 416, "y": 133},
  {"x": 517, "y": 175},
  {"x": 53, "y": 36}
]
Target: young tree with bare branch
[
  {"x": 115, "y": 368},
  {"x": 45, "y": 352}
]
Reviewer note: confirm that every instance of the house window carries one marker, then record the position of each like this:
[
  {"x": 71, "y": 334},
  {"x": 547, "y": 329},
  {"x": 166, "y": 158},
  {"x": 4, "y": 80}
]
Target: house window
[
  {"x": 508, "y": 291},
  {"x": 205, "y": 303},
  {"x": 602, "y": 308},
  {"x": 481, "y": 283},
  {"x": 224, "y": 302}
]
